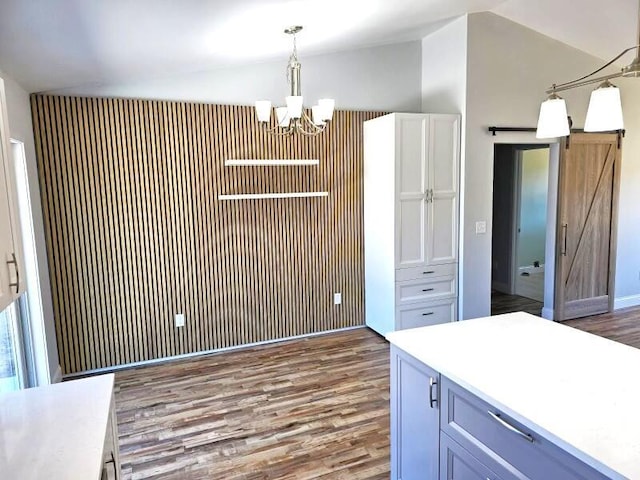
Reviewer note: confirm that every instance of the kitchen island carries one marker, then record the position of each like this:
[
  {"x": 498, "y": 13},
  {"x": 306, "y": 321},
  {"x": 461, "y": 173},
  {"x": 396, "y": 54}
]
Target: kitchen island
[
  {"x": 513, "y": 396},
  {"x": 64, "y": 431}
]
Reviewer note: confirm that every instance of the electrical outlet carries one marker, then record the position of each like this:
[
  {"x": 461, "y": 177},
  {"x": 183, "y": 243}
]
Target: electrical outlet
[
  {"x": 337, "y": 298},
  {"x": 180, "y": 320}
]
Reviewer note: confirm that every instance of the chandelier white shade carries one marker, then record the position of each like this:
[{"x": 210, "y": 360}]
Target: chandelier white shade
[
  {"x": 292, "y": 118},
  {"x": 605, "y": 109},
  {"x": 553, "y": 120}
]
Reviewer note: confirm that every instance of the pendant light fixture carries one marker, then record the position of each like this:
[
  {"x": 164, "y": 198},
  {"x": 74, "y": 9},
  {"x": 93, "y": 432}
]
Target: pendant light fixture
[
  {"x": 293, "y": 118},
  {"x": 605, "y": 108}
]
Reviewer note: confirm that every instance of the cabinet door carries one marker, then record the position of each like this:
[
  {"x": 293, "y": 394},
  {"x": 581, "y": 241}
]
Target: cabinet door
[
  {"x": 415, "y": 429},
  {"x": 411, "y": 189},
  {"x": 443, "y": 177},
  {"x": 12, "y": 284}
]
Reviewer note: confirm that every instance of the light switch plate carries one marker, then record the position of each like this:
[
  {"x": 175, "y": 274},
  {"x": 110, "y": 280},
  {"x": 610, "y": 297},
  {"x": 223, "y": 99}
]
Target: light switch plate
[
  {"x": 481, "y": 228},
  {"x": 337, "y": 298},
  {"x": 180, "y": 320}
]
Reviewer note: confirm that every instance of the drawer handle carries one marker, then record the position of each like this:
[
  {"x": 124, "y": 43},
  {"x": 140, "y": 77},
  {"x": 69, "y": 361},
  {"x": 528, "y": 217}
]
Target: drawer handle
[
  {"x": 428, "y": 272},
  {"x": 428, "y": 313},
  {"x": 511, "y": 428},
  {"x": 432, "y": 400},
  {"x": 427, "y": 289}
]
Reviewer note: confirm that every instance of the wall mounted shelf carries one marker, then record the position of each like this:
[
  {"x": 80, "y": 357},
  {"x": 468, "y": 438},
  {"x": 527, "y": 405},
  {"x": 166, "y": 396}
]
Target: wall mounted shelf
[
  {"x": 261, "y": 196},
  {"x": 269, "y": 162}
]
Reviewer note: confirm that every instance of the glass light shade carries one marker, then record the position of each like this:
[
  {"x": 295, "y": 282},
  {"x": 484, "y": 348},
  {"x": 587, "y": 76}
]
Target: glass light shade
[
  {"x": 605, "y": 110},
  {"x": 294, "y": 106},
  {"x": 327, "y": 106},
  {"x": 553, "y": 121},
  {"x": 283, "y": 116},
  {"x": 263, "y": 110},
  {"x": 316, "y": 115}
]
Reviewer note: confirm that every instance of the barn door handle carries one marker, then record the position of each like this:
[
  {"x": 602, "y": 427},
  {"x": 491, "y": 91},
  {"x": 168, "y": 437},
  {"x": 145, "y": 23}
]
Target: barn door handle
[{"x": 564, "y": 241}]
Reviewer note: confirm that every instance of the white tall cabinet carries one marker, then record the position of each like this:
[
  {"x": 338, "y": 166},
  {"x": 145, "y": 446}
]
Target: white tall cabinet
[
  {"x": 411, "y": 175},
  {"x": 12, "y": 283}
]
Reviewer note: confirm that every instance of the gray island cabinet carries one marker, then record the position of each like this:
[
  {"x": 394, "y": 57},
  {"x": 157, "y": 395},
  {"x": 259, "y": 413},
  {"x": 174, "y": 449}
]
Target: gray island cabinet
[{"x": 513, "y": 397}]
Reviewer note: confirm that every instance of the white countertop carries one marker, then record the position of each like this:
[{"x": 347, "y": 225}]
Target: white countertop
[
  {"x": 580, "y": 391},
  {"x": 55, "y": 432}
]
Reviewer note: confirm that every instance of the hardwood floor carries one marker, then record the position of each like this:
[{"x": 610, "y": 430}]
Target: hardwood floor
[
  {"x": 304, "y": 409},
  {"x": 504, "y": 303},
  {"x": 622, "y": 325}
]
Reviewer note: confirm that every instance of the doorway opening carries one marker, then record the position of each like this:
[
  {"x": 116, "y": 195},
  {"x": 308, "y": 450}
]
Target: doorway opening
[{"x": 520, "y": 227}]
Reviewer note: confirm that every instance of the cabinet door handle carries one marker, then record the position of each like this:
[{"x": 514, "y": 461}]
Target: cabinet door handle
[
  {"x": 431, "y": 195},
  {"x": 427, "y": 289},
  {"x": 511, "y": 428},
  {"x": 428, "y": 272},
  {"x": 427, "y": 314},
  {"x": 432, "y": 400},
  {"x": 14, "y": 261}
]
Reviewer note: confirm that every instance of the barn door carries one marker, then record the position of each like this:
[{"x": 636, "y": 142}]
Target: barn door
[{"x": 587, "y": 224}]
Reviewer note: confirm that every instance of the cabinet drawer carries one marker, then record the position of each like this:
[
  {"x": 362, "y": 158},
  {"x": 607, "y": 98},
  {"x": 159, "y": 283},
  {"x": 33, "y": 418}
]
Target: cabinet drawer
[
  {"x": 414, "y": 291},
  {"x": 424, "y": 314},
  {"x": 430, "y": 271},
  {"x": 486, "y": 432},
  {"x": 458, "y": 464}
]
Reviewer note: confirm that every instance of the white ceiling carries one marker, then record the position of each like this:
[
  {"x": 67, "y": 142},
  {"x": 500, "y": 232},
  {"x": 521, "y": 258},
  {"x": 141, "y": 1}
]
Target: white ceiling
[{"x": 47, "y": 45}]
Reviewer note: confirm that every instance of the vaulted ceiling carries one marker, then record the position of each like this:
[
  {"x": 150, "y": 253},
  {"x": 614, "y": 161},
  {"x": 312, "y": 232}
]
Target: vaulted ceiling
[{"x": 48, "y": 45}]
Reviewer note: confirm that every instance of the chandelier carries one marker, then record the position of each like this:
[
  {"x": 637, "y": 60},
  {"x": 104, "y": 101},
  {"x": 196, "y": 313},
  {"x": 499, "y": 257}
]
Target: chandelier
[
  {"x": 293, "y": 117},
  {"x": 605, "y": 109}
]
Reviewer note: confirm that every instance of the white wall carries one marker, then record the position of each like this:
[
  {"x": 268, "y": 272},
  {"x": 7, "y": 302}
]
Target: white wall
[
  {"x": 628, "y": 261},
  {"x": 20, "y": 128},
  {"x": 385, "y": 78},
  {"x": 509, "y": 68},
  {"x": 444, "y": 69}
]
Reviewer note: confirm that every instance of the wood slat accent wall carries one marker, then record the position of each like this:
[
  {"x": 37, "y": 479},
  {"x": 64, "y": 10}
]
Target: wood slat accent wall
[{"x": 136, "y": 234}]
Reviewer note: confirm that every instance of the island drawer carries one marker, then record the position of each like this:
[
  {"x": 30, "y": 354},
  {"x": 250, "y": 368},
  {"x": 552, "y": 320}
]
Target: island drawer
[
  {"x": 425, "y": 314},
  {"x": 456, "y": 463},
  {"x": 430, "y": 271},
  {"x": 487, "y": 432}
]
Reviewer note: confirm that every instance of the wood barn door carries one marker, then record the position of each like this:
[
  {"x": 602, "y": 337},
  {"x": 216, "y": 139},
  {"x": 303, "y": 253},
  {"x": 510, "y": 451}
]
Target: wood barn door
[{"x": 587, "y": 225}]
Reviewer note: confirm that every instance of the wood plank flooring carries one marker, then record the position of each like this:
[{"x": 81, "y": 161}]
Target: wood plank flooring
[
  {"x": 621, "y": 325},
  {"x": 505, "y": 303},
  {"x": 304, "y": 409}
]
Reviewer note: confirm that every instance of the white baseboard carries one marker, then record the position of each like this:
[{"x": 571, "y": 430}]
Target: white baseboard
[
  {"x": 626, "y": 302},
  {"x": 547, "y": 313},
  {"x": 57, "y": 376}
]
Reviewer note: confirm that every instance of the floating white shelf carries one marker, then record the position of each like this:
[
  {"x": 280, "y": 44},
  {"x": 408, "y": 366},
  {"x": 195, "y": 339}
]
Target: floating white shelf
[
  {"x": 269, "y": 162},
  {"x": 259, "y": 196}
]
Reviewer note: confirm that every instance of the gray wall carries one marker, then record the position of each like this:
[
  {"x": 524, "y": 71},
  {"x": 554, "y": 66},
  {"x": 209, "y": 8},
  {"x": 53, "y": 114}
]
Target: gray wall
[{"x": 503, "y": 195}]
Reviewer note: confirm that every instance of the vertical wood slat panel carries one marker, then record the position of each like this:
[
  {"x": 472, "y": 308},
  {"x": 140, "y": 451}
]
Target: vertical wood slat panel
[{"x": 136, "y": 234}]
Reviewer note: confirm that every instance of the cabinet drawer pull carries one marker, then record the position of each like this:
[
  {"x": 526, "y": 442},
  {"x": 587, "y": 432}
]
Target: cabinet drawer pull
[
  {"x": 511, "y": 428},
  {"x": 428, "y": 272},
  {"x": 432, "y": 400},
  {"x": 428, "y": 313},
  {"x": 427, "y": 289}
]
